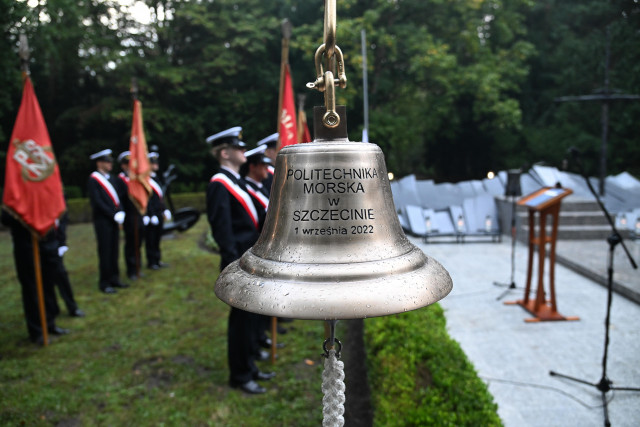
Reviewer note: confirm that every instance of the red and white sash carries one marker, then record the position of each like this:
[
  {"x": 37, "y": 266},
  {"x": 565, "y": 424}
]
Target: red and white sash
[
  {"x": 264, "y": 201},
  {"x": 156, "y": 187},
  {"x": 123, "y": 177},
  {"x": 106, "y": 185},
  {"x": 271, "y": 169},
  {"x": 242, "y": 196}
]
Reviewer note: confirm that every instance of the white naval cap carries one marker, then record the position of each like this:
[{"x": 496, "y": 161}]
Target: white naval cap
[
  {"x": 260, "y": 149},
  {"x": 269, "y": 141},
  {"x": 124, "y": 156},
  {"x": 104, "y": 155},
  {"x": 153, "y": 156},
  {"x": 256, "y": 155},
  {"x": 231, "y": 136}
]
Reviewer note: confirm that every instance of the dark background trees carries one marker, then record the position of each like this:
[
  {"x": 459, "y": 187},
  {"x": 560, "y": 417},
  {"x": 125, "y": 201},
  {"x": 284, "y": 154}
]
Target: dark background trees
[{"x": 455, "y": 88}]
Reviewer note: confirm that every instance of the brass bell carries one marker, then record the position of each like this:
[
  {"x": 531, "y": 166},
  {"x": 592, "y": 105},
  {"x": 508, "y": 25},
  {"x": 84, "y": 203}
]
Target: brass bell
[{"x": 332, "y": 246}]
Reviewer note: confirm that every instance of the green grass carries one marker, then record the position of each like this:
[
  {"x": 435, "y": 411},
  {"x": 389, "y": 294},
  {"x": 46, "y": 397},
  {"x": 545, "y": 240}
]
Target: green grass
[{"x": 155, "y": 354}]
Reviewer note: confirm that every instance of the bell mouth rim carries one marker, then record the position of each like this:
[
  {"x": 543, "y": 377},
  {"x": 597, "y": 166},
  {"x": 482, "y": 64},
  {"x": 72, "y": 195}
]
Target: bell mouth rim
[
  {"x": 330, "y": 299},
  {"x": 313, "y": 272}
]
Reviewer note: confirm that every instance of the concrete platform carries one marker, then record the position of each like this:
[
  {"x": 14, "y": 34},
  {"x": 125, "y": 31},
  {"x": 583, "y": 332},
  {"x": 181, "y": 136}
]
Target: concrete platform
[{"x": 515, "y": 357}]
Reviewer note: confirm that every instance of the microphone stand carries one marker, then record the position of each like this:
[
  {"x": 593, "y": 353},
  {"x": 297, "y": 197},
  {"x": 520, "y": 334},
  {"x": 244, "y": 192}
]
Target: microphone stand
[
  {"x": 605, "y": 384},
  {"x": 512, "y": 190},
  {"x": 512, "y": 284}
]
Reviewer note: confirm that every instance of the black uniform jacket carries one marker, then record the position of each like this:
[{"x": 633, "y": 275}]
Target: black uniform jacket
[
  {"x": 104, "y": 197},
  {"x": 233, "y": 215},
  {"x": 156, "y": 204}
]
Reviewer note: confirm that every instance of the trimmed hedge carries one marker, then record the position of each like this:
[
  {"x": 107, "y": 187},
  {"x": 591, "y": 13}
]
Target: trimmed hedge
[
  {"x": 420, "y": 376},
  {"x": 80, "y": 210}
]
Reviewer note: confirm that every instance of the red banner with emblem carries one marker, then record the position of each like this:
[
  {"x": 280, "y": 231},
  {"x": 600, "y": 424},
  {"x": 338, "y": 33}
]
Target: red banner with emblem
[
  {"x": 288, "y": 131},
  {"x": 303, "y": 130},
  {"x": 139, "y": 167},
  {"x": 32, "y": 184}
]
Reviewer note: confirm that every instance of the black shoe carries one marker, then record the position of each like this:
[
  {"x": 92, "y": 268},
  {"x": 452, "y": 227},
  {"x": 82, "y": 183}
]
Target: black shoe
[
  {"x": 109, "y": 290},
  {"x": 37, "y": 340},
  {"x": 55, "y": 330},
  {"x": 154, "y": 267},
  {"x": 263, "y": 355},
  {"x": 119, "y": 284},
  {"x": 77, "y": 313},
  {"x": 162, "y": 264},
  {"x": 250, "y": 387},
  {"x": 267, "y": 344},
  {"x": 263, "y": 376},
  {"x": 132, "y": 277},
  {"x": 282, "y": 330}
]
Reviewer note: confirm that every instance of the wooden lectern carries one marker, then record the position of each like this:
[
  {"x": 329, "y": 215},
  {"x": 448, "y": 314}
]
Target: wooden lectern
[{"x": 546, "y": 203}]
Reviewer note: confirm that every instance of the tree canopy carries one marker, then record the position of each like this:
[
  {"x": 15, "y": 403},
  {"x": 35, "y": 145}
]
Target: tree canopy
[{"x": 456, "y": 88}]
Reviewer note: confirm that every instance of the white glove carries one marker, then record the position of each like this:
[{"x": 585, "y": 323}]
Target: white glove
[
  {"x": 62, "y": 250},
  {"x": 145, "y": 220},
  {"x": 119, "y": 217},
  {"x": 155, "y": 220},
  {"x": 167, "y": 214}
]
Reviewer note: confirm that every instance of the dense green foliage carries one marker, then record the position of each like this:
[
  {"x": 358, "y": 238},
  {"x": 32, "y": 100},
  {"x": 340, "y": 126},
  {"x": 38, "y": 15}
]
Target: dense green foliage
[
  {"x": 155, "y": 354},
  {"x": 455, "y": 88},
  {"x": 424, "y": 374}
]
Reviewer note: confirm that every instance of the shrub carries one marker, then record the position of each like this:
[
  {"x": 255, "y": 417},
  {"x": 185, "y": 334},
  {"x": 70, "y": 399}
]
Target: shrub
[{"x": 417, "y": 370}]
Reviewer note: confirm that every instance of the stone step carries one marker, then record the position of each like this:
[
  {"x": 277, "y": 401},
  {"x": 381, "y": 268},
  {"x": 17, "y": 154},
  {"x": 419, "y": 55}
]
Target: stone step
[
  {"x": 576, "y": 232},
  {"x": 579, "y": 205},
  {"x": 574, "y": 218}
]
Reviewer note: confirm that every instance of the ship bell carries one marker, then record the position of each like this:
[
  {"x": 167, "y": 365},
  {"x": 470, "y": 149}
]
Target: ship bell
[{"x": 332, "y": 246}]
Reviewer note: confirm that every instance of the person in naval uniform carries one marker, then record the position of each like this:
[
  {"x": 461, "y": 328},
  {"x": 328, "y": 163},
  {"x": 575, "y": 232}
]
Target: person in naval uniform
[
  {"x": 107, "y": 217},
  {"x": 254, "y": 172},
  {"x": 157, "y": 212},
  {"x": 133, "y": 225},
  {"x": 270, "y": 144},
  {"x": 235, "y": 219}
]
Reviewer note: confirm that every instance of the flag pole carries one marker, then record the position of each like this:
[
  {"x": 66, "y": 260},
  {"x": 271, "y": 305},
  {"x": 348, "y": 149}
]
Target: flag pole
[
  {"x": 38, "y": 271},
  {"x": 300, "y": 128},
  {"x": 23, "y": 51},
  {"x": 284, "y": 63},
  {"x": 136, "y": 231},
  {"x": 365, "y": 91}
]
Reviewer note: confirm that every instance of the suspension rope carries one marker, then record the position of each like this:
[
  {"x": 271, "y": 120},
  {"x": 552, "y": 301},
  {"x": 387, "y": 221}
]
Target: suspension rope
[{"x": 333, "y": 389}]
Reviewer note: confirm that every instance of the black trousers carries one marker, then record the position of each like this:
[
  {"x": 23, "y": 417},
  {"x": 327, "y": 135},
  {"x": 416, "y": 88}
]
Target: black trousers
[
  {"x": 107, "y": 236},
  {"x": 153, "y": 236},
  {"x": 133, "y": 242},
  {"x": 64, "y": 286},
  {"x": 25, "y": 268},
  {"x": 242, "y": 345}
]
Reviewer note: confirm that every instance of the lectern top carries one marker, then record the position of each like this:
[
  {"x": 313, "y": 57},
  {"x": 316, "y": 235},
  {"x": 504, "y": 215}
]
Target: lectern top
[{"x": 544, "y": 197}]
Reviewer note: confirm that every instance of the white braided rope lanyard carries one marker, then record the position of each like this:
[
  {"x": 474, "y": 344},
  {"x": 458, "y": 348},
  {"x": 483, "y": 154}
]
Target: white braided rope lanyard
[{"x": 333, "y": 390}]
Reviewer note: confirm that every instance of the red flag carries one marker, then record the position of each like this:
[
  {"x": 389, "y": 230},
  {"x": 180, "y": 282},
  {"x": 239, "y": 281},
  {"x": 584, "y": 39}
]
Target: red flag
[
  {"x": 303, "y": 130},
  {"x": 139, "y": 168},
  {"x": 288, "y": 132},
  {"x": 32, "y": 184}
]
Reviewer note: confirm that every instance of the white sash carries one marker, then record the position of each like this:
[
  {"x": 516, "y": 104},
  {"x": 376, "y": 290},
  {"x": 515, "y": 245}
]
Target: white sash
[
  {"x": 106, "y": 185},
  {"x": 156, "y": 187},
  {"x": 240, "y": 195},
  {"x": 264, "y": 201}
]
